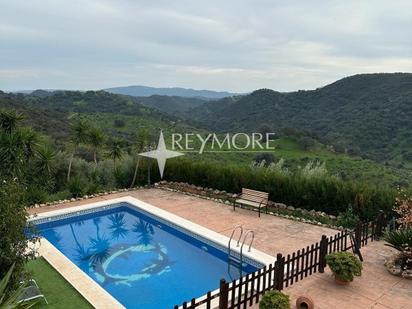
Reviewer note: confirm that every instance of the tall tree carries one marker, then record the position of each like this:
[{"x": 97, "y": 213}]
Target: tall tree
[
  {"x": 79, "y": 135},
  {"x": 140, "y": 145},
  {"x": 96, "y": 141},
  {"x": 17, "y": 144},
  {"x": 17, "y": 149},
  {"x": 44, "y": 165},
  {"x": 115, "y": 150}
]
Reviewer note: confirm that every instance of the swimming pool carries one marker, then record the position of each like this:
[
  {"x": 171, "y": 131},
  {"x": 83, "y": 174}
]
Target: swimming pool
[{"x": 142, "y": 260}]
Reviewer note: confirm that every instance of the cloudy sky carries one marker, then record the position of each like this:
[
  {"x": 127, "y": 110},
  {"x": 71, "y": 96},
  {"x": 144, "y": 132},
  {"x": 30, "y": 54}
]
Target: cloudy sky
[{"x": 230, "y": 45}]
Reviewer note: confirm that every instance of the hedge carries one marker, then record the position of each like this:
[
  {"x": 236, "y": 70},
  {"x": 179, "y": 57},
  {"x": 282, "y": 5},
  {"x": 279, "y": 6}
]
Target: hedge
[{"x": 326, "y": 193}]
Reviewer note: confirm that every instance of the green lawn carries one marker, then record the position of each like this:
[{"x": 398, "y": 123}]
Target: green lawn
[{"x": 59, "y": 293}]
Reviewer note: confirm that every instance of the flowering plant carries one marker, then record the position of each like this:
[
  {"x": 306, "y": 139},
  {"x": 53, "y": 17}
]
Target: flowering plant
[{"x": 403, "y": 208}]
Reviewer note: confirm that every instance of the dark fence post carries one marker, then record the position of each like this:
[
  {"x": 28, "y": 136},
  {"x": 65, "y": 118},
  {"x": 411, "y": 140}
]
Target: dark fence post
[
  {"x": 379, "y": 225},
  {"x": 280, "y": 271},
  {"x": 223, "y": 294},
  {"x": 358, "y": 234},
  {"x": 323, "y": 251}
]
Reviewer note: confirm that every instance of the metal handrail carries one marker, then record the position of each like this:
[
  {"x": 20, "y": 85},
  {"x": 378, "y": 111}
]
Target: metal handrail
[
  {"x": 244, "y": 240},
  {"x": 233, "y": 233}
]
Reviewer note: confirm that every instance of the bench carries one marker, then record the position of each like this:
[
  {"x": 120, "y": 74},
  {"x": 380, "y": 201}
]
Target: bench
[{"x": 253, "y": 198}]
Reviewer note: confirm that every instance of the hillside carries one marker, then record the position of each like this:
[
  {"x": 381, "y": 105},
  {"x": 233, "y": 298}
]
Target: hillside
[
  {"x": 117, "y": 115},
  {"x": 143, "y": 91},
  {"x": 122, "y": 116},
  {"x": 368, "y": 114},
  {"x": 171, "y": 105}
]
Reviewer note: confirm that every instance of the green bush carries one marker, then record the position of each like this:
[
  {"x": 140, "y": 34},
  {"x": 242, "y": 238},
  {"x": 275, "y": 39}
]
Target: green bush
[
  {"x": 399, "y": 239},
  {"x": 61, "y": 195},
  {"x": 76, "y": 187},
  {"x": 325, "y": 193},
  {"x": 274, "y": 300},
  {"x": 13, "y": 240},
  {"x": 347, "y": 219},
  {"x": 344, "y": 265}
]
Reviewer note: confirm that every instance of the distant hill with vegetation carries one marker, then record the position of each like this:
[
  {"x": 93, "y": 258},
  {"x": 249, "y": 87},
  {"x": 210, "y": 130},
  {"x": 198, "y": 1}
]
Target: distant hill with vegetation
[
  {"x": 367, "y": 114},
  {"x": 171, "y": 105},
  {"x": 359, "y": 126},
  {"x": 118, "y": 115},
  {"x": 144, "y": 91}
]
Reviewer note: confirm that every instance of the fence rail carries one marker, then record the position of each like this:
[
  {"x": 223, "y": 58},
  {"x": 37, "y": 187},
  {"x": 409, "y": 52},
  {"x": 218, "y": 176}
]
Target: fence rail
[{"x": 289, "y": 269}]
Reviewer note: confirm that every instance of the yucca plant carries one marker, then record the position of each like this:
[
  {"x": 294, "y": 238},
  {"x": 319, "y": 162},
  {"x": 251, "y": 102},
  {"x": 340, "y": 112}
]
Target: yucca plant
[
  {"x": 399, "y": 239},
  {"x": 10, "y": 300}
]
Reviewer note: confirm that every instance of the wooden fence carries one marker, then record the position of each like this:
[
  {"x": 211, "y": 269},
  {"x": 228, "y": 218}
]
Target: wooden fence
[{"x": 288, "y": 269}]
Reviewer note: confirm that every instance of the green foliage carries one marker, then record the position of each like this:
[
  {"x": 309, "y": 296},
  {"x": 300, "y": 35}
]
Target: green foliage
[
  {"x": 399, "y": 239},
  {"x": 306, "y": 142},
  {"x": 327, "y": 194},
  {"x": 13, "y": 241},
  {"x": 264, "y": 158},
  {"x": 76, "y": 187},
  {"x": 382, "y": 130},
  {"x": 119, "y": 123},
  {"x": 347, "y": 219},
  {"x": 9, "y": 298},
  {"x": 274, "y": 300},
  {"x": 344, "y": 265},
  {"x": 50, "y": 114},
  {"x": 115, "y": 150}
]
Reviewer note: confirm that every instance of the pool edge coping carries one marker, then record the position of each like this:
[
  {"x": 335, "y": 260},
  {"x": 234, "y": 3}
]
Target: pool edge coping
[{"x": 97, "y": 296}]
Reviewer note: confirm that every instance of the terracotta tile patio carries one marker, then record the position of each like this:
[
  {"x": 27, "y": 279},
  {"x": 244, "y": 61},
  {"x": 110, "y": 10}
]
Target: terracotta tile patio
[
  {"x": 272, "y": 234},
  {"x": 375, "y": 289}
]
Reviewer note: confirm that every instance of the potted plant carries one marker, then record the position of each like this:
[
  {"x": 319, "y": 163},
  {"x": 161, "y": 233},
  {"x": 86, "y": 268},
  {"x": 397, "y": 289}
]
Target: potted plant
[
  {"x": 274, "y": 300},
  {"x": 344, "y": 266}
]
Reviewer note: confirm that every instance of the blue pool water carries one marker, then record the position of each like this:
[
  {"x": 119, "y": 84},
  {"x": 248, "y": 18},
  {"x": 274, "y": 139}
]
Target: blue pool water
[{"x": 142, "y": 262}]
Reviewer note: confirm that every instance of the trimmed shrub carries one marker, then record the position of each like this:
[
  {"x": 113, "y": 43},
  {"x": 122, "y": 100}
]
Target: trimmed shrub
[
  {"x": 344, "y": 265},
  {"x": 274, "y": 300},
  {"x": 325, "y": 193}
]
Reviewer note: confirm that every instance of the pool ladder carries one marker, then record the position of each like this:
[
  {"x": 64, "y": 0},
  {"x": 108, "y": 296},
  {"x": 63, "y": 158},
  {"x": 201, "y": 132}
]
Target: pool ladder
[{"x": 236, "y": 260}]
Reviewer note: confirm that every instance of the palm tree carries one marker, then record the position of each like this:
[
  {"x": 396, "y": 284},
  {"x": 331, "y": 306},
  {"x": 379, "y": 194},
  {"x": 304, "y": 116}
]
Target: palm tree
[
  {"x": 96, "y": 141},
  {"x": 29, "y": 140},
  {"x": 44, "y": 165},
  {"x": 79, "y": 135},
  {"x": 140, "y": 145},
  {"x": 45, "y": 156},
  {"x": 115, "y": 150},
  {"x": 17, "y": 145},
  {"x": 10, "y": 120}
]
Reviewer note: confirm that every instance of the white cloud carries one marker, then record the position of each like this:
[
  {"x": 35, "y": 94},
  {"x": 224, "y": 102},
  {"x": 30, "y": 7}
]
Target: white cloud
[{"x": 223, "y": 45}]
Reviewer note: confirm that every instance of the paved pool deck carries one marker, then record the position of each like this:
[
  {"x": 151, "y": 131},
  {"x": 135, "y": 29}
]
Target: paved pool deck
[
  {"x": 272, "y": 234},
  {"x": 375, "y": 289}
]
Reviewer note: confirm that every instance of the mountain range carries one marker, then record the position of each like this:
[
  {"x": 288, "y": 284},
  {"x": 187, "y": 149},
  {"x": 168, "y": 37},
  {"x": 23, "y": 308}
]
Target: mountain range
[
  {"x": 144, "y": 91},
  {"x": 366, "y": 114}
]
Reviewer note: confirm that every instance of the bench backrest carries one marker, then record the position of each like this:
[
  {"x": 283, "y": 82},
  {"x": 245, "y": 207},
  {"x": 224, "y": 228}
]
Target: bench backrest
[{"x": 255, "y": 196}]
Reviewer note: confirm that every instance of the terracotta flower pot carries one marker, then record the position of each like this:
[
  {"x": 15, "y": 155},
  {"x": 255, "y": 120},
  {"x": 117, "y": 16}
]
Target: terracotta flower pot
[
  {"x": 304, "y": 302},
  {"x": 340, "y": 281}
]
